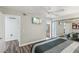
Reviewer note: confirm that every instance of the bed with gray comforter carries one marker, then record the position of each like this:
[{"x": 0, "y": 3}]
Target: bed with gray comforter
[{"x": 57, "y": 45}]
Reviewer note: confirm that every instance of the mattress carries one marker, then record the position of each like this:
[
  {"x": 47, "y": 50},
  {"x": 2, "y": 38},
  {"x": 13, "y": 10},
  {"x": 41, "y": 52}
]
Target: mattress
[{"x": 58, "y": 45}]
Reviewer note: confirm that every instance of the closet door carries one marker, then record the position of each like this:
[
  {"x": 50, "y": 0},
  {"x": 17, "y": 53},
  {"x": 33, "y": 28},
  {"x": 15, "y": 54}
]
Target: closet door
[
  {"x": 12, "y": 28},
  {"x": 2, "y": 42}
]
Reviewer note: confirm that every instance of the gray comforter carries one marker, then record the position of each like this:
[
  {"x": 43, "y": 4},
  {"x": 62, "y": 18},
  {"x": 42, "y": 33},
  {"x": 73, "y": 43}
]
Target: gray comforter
[{"x": 54, "y": 46}]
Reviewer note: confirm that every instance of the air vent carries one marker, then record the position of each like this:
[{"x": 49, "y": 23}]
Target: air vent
[{"x": 12, "y": 18}]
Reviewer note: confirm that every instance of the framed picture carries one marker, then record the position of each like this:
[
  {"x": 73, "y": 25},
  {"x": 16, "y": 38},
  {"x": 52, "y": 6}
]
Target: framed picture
[
  {"x": 74, "y": 26},
  {"x": 78, "y": 26},
  {"x": 36, "y": 20}
]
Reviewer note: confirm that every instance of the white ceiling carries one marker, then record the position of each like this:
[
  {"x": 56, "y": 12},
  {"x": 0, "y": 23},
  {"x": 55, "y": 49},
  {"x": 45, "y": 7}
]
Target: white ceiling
[
  {"x": 48, "y": 10},
  {"x": 25, "y": 9}
]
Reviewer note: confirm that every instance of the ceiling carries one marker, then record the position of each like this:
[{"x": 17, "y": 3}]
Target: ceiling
[{"x": 48, "y": 10}]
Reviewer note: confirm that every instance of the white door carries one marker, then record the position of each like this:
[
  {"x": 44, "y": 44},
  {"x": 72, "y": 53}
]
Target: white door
[
  {"x": 12, "y": 28},
  {"x": 2, "y": 42}
]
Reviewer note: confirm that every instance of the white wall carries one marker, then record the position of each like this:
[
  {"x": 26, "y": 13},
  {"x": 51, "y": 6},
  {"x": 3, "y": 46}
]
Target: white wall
[
  {"x": 29, "y": 32},
  {"x": 60, "y": 29},
  {"x": 69, "y": 25},
  {"x": 32, "y": 32},
  {"x": 68, "y": 28},
  {"x": 2, "y": 43}
]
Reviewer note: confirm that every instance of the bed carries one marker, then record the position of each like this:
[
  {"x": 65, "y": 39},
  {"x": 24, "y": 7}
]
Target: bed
[{"x": 56, "y": 45}]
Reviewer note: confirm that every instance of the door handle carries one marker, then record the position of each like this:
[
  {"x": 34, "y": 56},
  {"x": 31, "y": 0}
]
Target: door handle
[{"x": 1, "y": 38}]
